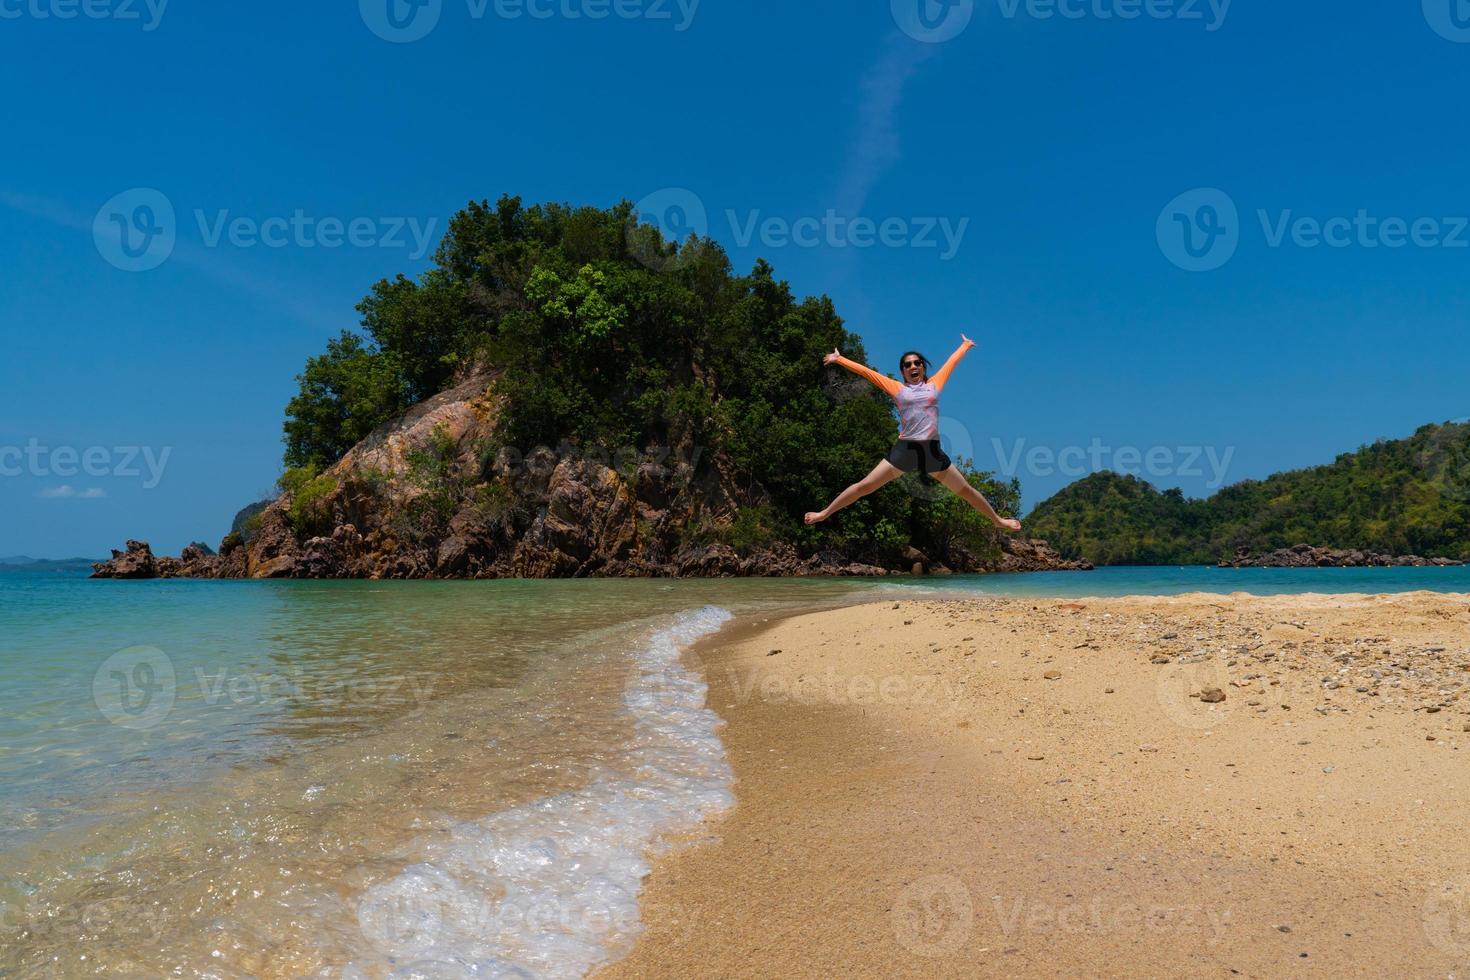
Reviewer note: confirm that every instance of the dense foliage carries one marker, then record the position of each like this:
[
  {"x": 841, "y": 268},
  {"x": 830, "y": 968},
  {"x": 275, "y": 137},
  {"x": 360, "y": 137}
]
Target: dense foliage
[
  {"x": 605, "y": 336},
  {"x": 1404, "y": 496}
]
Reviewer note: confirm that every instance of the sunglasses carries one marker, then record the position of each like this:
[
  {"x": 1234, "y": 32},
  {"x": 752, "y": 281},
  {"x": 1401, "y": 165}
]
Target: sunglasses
[{"x": 908, "y": 364}]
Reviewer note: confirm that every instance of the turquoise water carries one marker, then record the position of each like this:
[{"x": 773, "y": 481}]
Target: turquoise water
[
  {"x": 292, "y": 778},
  {"x": 249, "y": 778},
  {"x": 119, "y": 686}
]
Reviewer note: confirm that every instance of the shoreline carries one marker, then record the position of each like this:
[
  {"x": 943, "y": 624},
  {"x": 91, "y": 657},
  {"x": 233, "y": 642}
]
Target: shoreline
[{"x": 925, "y": 798}]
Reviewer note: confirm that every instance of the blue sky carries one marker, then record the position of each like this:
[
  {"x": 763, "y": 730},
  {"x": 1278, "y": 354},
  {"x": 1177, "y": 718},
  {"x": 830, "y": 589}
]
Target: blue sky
[{"x": 1050, "y": 147}]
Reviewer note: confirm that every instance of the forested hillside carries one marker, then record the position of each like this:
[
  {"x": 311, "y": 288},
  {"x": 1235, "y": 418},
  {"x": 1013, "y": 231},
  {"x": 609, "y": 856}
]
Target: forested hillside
[{"x": 1397, "y": 497}]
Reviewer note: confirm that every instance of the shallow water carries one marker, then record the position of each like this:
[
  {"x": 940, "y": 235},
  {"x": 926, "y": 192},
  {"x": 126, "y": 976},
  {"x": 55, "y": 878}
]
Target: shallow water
[
  {"x": 387, "y": 779},
  {"x": 239, "y": 778}
]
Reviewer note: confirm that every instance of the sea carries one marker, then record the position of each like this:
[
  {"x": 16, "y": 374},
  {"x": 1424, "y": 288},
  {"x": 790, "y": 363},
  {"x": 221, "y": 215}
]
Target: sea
[{"x": 393, "y": 779}]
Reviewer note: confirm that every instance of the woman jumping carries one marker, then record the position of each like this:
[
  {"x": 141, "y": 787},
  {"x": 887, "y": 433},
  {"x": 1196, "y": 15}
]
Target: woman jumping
[{"x": 917, "y": 449}]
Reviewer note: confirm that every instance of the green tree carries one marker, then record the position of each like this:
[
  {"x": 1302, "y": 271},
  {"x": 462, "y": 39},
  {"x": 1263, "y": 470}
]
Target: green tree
[{"x": 344, "y": 394}]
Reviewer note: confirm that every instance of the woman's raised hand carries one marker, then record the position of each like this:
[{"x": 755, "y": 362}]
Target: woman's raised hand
[
  {"x": 967, "y": 341},
  {"x": 831, "y": 357}
]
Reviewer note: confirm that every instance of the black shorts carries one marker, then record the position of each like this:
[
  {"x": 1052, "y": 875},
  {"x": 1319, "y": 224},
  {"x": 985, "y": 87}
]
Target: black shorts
[{"x": 919, "y": 457}]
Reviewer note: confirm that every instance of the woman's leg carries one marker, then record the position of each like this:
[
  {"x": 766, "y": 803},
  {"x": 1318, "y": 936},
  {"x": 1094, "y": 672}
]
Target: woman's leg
[
  {"x": 884, "y": 472},
  {"x": 956, "y": 481}
]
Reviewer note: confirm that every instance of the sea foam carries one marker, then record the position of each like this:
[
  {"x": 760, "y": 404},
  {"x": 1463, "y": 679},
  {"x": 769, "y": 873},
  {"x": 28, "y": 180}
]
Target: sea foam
[{"x": 550, "y": 889}]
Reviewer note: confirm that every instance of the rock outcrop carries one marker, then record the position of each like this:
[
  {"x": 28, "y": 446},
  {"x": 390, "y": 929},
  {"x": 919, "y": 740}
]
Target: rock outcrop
[
  {"x": 1035, "y": 555},
  {"x": 432, "y": 495},
  {"x": 1307, "y": 556}
]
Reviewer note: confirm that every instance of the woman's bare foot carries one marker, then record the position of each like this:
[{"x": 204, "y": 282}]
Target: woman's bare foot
[
  {"x": 815, "y": 517},
  {"x": 1009, "y": 523}
]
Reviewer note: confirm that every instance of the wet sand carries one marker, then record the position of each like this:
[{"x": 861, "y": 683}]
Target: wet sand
[{"x": 988, "y": 787}]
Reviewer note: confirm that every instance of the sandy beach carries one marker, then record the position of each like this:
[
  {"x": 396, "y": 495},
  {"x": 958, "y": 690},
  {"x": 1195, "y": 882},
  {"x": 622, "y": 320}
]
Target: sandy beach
[{"x": 1193, "y": 786}]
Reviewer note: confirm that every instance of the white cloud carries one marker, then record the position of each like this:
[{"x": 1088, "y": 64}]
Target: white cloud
[
  {"x": 876, "y": 145},
  {"x": 67, "y": 491}
]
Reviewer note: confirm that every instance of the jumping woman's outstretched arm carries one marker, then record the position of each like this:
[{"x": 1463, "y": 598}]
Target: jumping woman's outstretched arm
[
  {"x": 889, "y": 386},
  {"x": 942, "y": 375}
]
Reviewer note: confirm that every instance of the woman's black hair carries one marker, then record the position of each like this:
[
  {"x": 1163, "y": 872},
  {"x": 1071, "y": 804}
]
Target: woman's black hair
[{"x": 913, "y": 353}]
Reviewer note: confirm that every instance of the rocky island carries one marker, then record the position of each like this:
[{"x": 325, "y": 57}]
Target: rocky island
[{"x": 466, "y": 434}]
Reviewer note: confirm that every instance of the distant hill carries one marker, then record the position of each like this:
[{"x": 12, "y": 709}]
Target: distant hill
[
  {"x": 1397, "y": 497},
  {"x": 22, "y": 563},
  {"x": 240, "y": 525}
]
